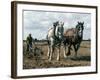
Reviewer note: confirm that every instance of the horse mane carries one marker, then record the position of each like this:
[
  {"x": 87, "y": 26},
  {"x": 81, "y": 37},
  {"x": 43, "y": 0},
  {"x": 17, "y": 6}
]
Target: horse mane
[{"x": 54, "y": 29}]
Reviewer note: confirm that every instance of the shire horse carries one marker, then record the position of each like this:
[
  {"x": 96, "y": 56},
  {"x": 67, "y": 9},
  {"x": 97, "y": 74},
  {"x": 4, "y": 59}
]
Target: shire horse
[
  {"x": 73, "y": 37},
  {"x": 54, "y": 37}
]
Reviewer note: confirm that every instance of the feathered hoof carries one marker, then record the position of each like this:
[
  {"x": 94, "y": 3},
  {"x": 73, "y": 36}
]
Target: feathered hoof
[
  {"x": 65, "y": 56},
  {"x": 75, "y": 56},
  {"x": 58, "y": 59},
  {"x": 49, "y": 59}
]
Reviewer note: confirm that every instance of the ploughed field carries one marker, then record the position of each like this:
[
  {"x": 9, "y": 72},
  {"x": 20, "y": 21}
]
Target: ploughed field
[{"x": 38, "y": 57}]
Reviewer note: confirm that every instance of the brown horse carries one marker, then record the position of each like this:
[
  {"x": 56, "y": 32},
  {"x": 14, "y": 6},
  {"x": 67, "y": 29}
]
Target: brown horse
[{"x": 73, "y": 37}]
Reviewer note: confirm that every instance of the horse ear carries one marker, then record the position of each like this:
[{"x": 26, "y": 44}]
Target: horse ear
[
  {"x": 78, "y": 22},
  {"x": 83, "y": 22}
]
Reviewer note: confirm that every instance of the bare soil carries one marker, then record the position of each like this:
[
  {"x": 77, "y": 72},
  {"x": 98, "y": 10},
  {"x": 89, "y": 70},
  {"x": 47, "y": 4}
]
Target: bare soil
[{"x": 39, "y": 59}]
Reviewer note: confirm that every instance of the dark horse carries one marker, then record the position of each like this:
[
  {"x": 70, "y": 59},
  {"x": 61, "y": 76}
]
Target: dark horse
[{"x": 73, "y": 37}]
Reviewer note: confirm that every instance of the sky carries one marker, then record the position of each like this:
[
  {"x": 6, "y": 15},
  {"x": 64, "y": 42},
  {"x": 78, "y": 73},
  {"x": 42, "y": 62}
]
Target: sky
[{"x": 38, "y": 22}]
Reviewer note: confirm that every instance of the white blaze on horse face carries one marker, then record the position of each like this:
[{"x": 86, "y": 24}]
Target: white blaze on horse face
[
  {"x": 80, "y": 33},
  {"x": 59, "y": 30}
]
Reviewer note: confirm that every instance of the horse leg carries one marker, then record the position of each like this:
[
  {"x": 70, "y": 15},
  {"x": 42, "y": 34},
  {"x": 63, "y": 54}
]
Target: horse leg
[
  {"x": 78, "y": 45},
  {"x": 75, "y": 48},
  {"x": 58, "y": 56},
  {"x": 48, "y": 54},
  {"x": 64, "y": 50},
  {"x": 52, "y": 50},
  {"x": 69, "y": 47}
]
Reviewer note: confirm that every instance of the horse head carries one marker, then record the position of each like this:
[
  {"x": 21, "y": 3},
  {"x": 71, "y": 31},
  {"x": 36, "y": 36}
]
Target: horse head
[
  {"x": 55, "y": 23},
  {"x": 80, "y": 28},
  {"x": 59, "y": 30}
]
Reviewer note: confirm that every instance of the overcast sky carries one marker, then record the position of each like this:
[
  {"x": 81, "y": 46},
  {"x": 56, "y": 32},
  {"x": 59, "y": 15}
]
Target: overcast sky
[{"x": 38, "y": 22}]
